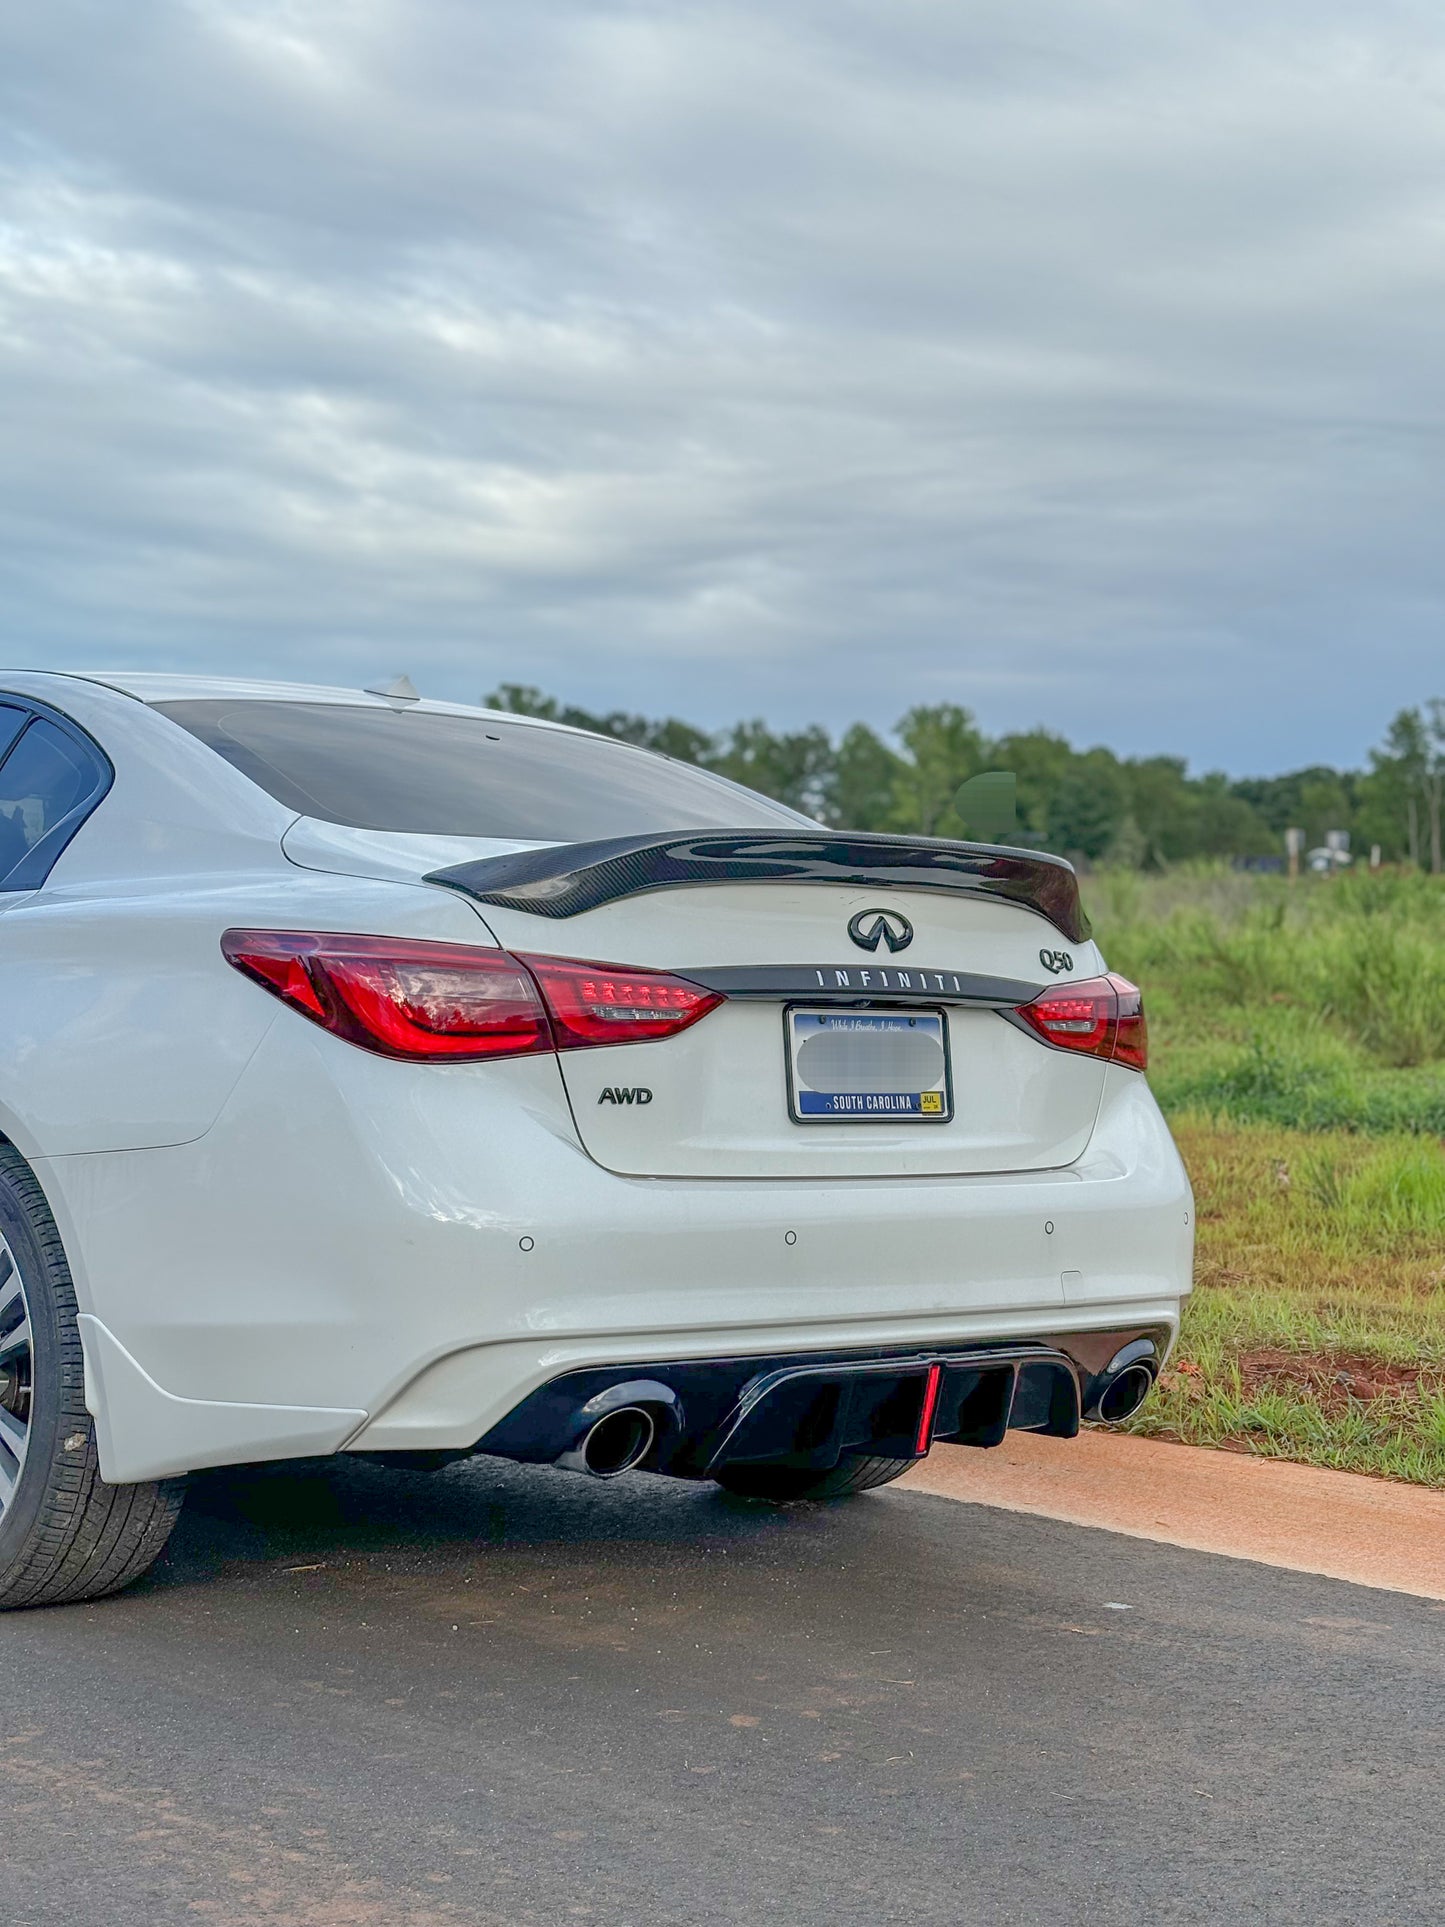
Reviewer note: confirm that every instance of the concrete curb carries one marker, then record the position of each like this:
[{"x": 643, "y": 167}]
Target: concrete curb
[{"x": 1338, "y": 1524}]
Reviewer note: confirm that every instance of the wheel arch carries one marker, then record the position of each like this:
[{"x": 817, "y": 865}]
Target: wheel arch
[
  {"x": 46, "y": 1174},
  {"x": 14, "y": 1132}
]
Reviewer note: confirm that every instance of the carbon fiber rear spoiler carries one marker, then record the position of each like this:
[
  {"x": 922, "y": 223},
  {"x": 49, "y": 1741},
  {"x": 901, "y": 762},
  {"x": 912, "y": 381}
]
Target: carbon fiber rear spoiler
[{"x": 569, "y": 878}]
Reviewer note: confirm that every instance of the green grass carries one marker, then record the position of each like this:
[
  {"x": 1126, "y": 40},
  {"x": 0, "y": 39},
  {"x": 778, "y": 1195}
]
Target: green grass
[
  {"x": 1298, "y": 1047},
  {"x": 1308, "y": 1083},
  {"x": 1317, "y": 1326},
  {"x": 1318, "y": 1005}
]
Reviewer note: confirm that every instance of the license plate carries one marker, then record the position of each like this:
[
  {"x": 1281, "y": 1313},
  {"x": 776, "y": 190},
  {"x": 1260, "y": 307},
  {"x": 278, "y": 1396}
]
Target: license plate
[{"x": 868, "y": 1067}]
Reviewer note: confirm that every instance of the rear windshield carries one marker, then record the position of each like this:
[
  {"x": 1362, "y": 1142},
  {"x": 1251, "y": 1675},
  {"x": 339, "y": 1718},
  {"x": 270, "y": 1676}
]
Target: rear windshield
[{"x": 438, "y": 775}]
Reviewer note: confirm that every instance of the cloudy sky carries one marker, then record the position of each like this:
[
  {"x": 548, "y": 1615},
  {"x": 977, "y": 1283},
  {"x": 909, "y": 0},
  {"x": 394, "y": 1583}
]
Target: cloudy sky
[{"x": 1082, "y": 361}]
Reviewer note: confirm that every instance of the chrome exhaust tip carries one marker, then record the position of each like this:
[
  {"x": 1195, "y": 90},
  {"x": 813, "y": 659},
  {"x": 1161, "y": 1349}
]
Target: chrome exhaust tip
[
  {"x": 1124, "y": 1393},
  {"x": 616, "y": 1443},
  {"x": 621, "y": 1426}
]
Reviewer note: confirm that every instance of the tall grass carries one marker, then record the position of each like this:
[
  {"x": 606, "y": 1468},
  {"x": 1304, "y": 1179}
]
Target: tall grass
[
  {"x": 1319, "y": 1003},
  {"x": 1298, "y": 1043}
]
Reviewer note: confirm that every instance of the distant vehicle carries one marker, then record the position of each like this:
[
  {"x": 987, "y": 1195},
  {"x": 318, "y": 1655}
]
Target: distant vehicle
[{"x": 390, "y": 1077}]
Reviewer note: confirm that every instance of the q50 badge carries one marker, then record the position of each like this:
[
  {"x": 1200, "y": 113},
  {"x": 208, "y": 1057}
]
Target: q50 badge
[{"x": 1056, "y": 960}]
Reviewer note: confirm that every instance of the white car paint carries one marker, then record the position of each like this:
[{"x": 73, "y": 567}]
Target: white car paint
[{"x": 284, "y": 1244}]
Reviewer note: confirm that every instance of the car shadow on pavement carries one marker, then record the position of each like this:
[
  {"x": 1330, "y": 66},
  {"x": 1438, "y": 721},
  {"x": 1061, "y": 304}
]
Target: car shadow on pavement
[{"x": 351, "y": 1514}]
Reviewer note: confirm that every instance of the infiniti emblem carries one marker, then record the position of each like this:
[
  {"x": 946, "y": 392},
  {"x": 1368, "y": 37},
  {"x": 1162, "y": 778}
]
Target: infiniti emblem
[{"x": 872, "y": 927}]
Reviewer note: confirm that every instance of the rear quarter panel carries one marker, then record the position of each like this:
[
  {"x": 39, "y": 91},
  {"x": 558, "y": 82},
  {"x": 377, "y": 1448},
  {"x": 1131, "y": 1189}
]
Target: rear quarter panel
[{"x": 124, "y": 1028}]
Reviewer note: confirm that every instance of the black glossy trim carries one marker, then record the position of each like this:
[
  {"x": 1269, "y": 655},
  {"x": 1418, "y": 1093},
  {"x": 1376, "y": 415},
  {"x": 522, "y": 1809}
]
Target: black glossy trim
[
  {"x": 31, "y": 872},
  {"x": 568, "y": 879},
  {"x": 808, "y": 1409},
  {"x": 986, "y": 1391},
  {"x": 854, "y": 983}
]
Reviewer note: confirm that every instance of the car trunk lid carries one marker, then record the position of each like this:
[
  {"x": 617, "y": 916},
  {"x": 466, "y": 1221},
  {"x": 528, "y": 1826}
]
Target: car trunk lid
[{"x": 781, "y": 926}]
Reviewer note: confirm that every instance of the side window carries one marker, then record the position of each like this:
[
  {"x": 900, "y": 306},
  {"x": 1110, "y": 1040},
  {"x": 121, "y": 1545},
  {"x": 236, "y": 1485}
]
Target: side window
[
  {"x": 12, "y": 721},
  {"x": 46, "y": 776}
]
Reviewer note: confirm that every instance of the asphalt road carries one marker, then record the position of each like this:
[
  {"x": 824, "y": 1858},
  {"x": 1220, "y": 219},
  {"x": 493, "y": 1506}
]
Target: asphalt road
[{"x": 354, "y": 1698}]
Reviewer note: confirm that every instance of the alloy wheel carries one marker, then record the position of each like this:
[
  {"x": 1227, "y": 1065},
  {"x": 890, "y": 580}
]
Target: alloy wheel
[{"x": 17, "y": 1376}]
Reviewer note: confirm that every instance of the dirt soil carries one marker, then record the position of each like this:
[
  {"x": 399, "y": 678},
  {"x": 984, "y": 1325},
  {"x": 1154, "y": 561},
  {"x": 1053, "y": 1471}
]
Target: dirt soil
[{"x": 1332, "y": 1380}]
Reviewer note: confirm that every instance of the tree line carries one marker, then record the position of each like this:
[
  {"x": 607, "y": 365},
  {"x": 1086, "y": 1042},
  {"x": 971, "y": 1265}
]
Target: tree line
[{"x": 1143, "y": 812}]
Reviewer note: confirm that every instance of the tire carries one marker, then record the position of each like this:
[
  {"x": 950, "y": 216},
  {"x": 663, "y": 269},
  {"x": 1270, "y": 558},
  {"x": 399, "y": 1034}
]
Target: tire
[
  {"x": 65, "y": 1535},
  {"x": 854, "y": 1472}
]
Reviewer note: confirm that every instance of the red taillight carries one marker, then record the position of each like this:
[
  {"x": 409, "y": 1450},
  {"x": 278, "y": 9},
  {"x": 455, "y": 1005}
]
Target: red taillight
[
  {"x": 457, "y": 1003},
  {"x": 403, "y": 999},
  {"x": 1131, "y": 1037},
  {"x": 1102, "y": 1017},
  {"x": 608, "y": 1004}
]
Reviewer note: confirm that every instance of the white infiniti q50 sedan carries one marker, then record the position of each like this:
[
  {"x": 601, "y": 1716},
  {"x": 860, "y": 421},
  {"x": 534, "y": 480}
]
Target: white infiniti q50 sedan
[{"x": 398, "y": 1078}]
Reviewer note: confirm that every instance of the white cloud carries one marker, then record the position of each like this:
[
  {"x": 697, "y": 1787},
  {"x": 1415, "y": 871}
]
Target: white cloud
[{"x": 1081, "y": 365}]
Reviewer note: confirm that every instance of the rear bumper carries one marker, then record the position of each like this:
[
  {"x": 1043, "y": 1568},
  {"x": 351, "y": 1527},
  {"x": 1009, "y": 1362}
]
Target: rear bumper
[{"x": 368, "y": 1257}]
